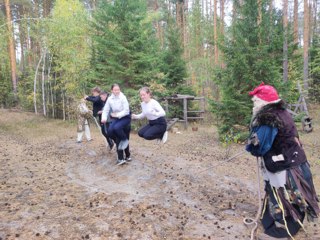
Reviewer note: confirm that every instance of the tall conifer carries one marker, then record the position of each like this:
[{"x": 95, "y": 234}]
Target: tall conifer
[
  {"x": 253, "y": 54},
  {"x": 124, "y": 47}
]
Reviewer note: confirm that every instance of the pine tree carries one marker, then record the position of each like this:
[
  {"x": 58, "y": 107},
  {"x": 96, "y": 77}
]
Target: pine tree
[
  {"x": 124, "y": 47},
  {"x": 173, "y": 66},
  {"x": 253, "y": 54}
]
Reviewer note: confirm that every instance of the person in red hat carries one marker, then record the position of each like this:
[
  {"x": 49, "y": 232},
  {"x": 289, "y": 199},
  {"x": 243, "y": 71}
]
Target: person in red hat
[{"x": 290, "y": 193}]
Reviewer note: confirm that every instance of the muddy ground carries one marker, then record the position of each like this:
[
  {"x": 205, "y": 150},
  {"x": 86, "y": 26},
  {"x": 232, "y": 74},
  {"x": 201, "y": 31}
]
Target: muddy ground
[{"x": 53, "y": 188}]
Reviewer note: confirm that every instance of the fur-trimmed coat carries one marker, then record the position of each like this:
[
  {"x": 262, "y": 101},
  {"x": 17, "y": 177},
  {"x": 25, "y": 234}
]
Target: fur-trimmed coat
[{"x": 286, "y": 141}]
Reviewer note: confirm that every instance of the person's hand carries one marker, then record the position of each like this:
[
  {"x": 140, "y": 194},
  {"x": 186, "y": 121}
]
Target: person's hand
[
  {"x": 254, "y": 140},
  {"x": 103, "y": 121},
  {"x": 100, "y": 112},
  {"x": 85, "y": 97},
  {"x": 133, "y": 116},
  {"x": 114, "y": 115}
]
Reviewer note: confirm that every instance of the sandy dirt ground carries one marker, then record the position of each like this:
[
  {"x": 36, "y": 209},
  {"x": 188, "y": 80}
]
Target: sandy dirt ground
[{"x": 53, "y": 188}]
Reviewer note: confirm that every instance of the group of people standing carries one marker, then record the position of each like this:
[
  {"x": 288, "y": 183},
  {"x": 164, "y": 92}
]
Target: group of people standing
[{"x": 114, "y": 116}]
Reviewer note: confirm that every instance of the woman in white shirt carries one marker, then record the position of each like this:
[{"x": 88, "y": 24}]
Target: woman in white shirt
[
  {"x": 118, "y": 107},
  {"x": 152, "y": 110}
]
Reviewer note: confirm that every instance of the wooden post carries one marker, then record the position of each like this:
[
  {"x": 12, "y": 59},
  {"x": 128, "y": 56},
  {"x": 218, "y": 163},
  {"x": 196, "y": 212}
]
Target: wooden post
[
  {"x": 185, "y": 113},
  {"x": 303, "y": 100},
  {"x": 167, "y": 106}
]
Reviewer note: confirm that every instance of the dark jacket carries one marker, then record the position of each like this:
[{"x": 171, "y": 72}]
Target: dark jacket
[
  {"x": 275, "y": 115},
  {"x": 97, "y": 104}
]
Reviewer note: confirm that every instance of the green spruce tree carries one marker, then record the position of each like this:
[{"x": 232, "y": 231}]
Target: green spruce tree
[
  {"x": 124, "y": 47},
  {"x": 253, "y": 54},
  {"x": 6, "y": 98},
  {"x": 172, "y": 65}
]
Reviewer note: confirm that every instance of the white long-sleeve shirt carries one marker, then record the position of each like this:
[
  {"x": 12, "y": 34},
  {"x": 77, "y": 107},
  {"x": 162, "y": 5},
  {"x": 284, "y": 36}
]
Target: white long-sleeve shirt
[
  {"x": 118, "y": 104},
  {"x": 151, "y": 110}
]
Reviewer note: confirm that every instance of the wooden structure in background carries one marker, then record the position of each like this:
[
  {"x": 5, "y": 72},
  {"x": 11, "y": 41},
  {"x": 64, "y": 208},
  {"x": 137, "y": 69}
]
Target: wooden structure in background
[
  {"x": 185, "y": 100},
  {"x": 301, "y": 107}
]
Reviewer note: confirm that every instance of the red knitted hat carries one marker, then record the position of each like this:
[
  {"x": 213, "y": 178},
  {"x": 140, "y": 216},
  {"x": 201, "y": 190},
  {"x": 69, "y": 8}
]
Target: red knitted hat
[{"x": 265, "y": 92}]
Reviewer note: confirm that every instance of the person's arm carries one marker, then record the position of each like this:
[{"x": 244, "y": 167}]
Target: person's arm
[
  {"x": 125, "y": 107},
  {"x": 93, "y": 98},
  {"x": 157, "y": 110},
  {"x": 261, "y": 140},
  {"x": 140, "y": 115},
  {"x": 105, "y": 112}
]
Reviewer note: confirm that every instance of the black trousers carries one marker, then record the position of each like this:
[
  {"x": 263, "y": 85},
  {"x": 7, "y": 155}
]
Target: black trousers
[
  {"x": 154, "y": 130},
  {"x": 104, "y": 131},
  {"x": 125, "y": 152}
]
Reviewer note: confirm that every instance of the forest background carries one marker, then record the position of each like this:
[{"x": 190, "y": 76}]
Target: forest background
[{"x": 53, "y": 51}]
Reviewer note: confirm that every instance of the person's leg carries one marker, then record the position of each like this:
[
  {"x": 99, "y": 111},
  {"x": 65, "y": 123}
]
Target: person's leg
[
  {"x": 104, "y": 130},
  {"x": 163, "y": 123},
  {"x": 142, "y": 130},
  {"x": 127, "y": 149},
  {"x": 80, "y": 129},
  {"x": 120, "y": 156},
  {"x": 155, "y": 132},
  {"x": 79, "y": 136},
  {"x": 111, "y": 131},
  {"x": 119, "y": 131},
  {"x": 87, "y": 130},
  {"x": 118, "y": 127}
]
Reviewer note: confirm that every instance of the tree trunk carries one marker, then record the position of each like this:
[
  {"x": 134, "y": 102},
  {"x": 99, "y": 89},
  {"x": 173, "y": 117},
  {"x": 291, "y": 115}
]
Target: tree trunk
[
  {"x": 22, "y": 39},
  {"x": 180, "y": 18},
  {"x": 157, "y": 25},
  {"x": 215, "y": 32},
  {"x": 295, "y": 22},
  {"x": 68, "y": 108},
  {"x": 35, "y": 86},
  {"x": 271, "y": 8},
  {"x": 185, "y": 32},
  {"x": 259, "y": 19},
  {"x": 222, "y": 29},
  {"x": 306, "y": 46},
  {"x": 43, "y": 85},
  {"x": 63, "y": 105},
  {"x": 46, "y": 7},
  {"x": 315, "y": 17},
  {"x": 271, "y": 5},
  {"x": 312, "y": 21},
  {"x": 222, "y": 14},
  {"x": 12, "y": 53},
  {"x": 28, "y": 46},
  {"x": 285, "y": 40}
]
